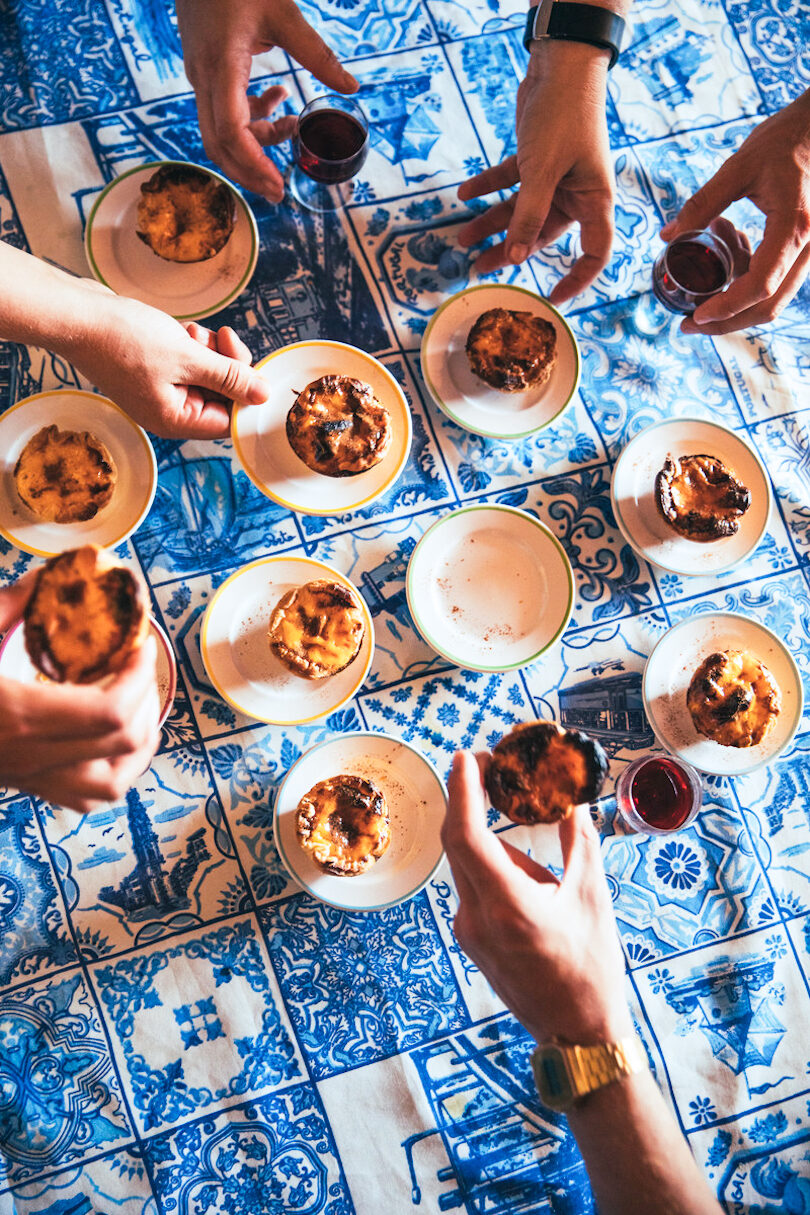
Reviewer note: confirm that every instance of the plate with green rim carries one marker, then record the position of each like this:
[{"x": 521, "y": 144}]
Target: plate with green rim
[
  {"x": 490, "y": 588},
  {"x": 188, "y": 291},
  {"x": 469, "y": 401}
]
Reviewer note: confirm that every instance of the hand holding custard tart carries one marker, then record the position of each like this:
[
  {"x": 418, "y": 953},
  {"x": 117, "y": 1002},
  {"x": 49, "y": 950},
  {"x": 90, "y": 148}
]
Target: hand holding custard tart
[{"x": 539, "y": 772}]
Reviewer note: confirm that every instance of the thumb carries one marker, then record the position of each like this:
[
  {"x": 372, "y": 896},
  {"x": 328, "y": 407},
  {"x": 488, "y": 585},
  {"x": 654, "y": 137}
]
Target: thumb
[
  {"x": 14, "y": 598},
  {"x": 228, "y": 377},
  {"x": 707, "y": 203}
]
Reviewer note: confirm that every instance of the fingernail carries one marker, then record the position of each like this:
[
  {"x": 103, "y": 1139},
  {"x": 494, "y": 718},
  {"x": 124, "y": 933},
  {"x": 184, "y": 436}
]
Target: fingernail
[{"x": 518, "y": 253}]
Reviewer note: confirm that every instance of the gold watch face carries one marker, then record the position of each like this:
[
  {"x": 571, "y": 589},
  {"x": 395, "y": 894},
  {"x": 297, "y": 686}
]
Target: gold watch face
[{"x": 552, "y": 1077}]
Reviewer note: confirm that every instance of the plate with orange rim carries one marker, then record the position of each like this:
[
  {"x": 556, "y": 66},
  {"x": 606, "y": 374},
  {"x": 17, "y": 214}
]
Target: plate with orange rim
[
  {"x": 189, "y": 291},
  {"x": 259, "y": 432},
  {"x": 237, "y": 655},
  {"x": 416, "y": 800},
  {"x": 132, "y": 454},
  {"x": 15, "y": 664}
]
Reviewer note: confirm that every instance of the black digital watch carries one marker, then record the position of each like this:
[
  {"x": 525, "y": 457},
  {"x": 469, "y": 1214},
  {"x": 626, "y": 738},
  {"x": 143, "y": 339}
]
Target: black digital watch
[{"x": 575, "y": 23}]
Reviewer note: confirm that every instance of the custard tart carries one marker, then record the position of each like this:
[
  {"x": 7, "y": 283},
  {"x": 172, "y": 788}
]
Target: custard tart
[
  {"x": 733, "y": 699},
  {"x": 539, "y": 772},
  {"x": 700, "y": 498},
  {"x": 338, "y": 427},
  {"x": 512, "y": 351},
  {"x": 86, "y": 615},
  {"x": 185, "y": 214},
  {"x": 317, "y": 629},
  {"x": 65, "y": 476},
  {"x": 343, "y": 824}
]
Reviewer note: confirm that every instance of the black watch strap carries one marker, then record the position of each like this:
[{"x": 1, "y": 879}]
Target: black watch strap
[{"x": 575, "y": 23}]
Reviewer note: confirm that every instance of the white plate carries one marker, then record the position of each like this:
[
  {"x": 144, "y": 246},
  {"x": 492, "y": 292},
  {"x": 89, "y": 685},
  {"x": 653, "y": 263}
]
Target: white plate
[
  {"x": 632, "y": 491},
  {"x": 15, "y": 664},
  {"x": 128, "y": 444},
  {"x": 188, "y": 291},
  {"x": 490, "y": 588},
  {"x": 260, "y": 434},
  {"x": 237, "y": 655},
  {"x": 669, "y": 671},
  {"x": 468, "y": 400},
  {"x": 417, "y": 801}
]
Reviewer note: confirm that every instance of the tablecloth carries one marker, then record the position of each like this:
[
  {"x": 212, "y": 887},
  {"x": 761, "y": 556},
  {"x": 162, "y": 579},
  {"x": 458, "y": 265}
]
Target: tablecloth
[{"x": 182, "y": 1029}]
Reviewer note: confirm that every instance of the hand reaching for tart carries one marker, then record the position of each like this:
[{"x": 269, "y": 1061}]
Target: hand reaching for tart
[{"x": 75, "y": 746}]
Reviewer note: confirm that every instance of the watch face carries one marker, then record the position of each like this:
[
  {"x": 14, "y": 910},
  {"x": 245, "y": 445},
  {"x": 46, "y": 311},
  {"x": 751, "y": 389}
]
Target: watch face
[{"x": 551, "y": 1075}]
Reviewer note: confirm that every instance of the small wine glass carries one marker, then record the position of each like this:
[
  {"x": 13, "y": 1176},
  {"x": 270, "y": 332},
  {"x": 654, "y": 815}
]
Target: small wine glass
[
  {"x": 691, "y": 269},
  {"x": 330, "y": 145}
]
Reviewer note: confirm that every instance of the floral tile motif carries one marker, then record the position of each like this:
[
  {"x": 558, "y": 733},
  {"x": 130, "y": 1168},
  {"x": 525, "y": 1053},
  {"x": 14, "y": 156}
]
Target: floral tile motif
[
  {"x": 637, "y": 368},
  {"x": 592, "y": 682},
  {"x": 196, "y": 1024},
  {"x": 758, "y": 1160},
  {"x": 487, "y": 17},
  {"x": 52, "y": 1030},
  {"x": 774, "y": 554},
  {"x": 421, "y": 483},
  {"x": 667, "y": 79},
  {"x": 729, "y": 1021},
  {"x": 34, "y": 936},
  {"x": 360, "y": 987},
  {"x": 775, "y": 41},
  {"x": 673, "y": 892},
  {"x": 440, "y": 714},
  {"x": 776, "y": 802},
  {"x": 117, "y": 1181},
  {"x": 247, "y": 769},
  {"x": 784, "y": 445},
  {"x": 60, "y": 66},
  {"x": 207, "y": 515},
  {"x": 155, "y": 863},
  {"x": 275, "y": 1154},
  {"x": 782, "y": 605}
]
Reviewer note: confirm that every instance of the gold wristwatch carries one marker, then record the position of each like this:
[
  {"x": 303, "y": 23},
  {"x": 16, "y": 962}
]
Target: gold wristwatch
[{"x": 563, "y": 1073}]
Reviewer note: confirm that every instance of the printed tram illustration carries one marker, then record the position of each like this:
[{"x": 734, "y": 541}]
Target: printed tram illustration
[{"x": 609, "y": 707}]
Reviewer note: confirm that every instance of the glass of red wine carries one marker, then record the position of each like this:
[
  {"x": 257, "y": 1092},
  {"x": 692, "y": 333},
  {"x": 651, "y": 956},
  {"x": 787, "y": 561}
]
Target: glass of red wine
[
  {"x": 691, "y": 269},
  {"x": 659, "y": 794},
  {"x": 330, "y": 146}
]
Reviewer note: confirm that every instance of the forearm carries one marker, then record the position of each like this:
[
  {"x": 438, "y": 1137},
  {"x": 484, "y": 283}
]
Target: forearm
[
  {"x": 637, "y": 1159},
  {"x": 41, "y": 305}
]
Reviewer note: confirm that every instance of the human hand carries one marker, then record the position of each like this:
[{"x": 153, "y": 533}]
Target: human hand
[
  {"x": 220, "y": 38},
  {"x": 549, "y": 948},
  {"x": 175, "y": 380},
  {"x": 772, "y": 169},
  {"x": 562, "y": 167},
  {"x": 77, "y": 746}
]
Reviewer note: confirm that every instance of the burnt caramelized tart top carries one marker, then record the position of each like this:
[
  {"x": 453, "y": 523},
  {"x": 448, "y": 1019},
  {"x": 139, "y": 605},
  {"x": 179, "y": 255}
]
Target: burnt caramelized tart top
[
  {"x": 85, "y": 616},
  {"x": 338, "y": 427},
  {"x": 539, "y": 772},
  {"x": 185, "y": 214},
  {"x": 733, "y": 699},
  {"x": 317, "y": 629},
  {"x": 700, "y": 498},
  {"x": 65, "y": 476},
  {"x": 512, "y": 351},
  {"x": 343, "y": 824}
]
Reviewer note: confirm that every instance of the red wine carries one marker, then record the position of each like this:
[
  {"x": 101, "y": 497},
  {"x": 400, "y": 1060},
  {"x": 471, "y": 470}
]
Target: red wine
[
  {"x": 661, "y": 794},
  {"x": 330, "y": 145},
  {"x": 698, "y": 269}
]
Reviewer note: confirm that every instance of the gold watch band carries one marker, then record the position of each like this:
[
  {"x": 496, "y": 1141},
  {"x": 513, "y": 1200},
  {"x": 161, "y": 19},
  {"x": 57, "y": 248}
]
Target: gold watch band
[{"x": 565, "y": 1072}]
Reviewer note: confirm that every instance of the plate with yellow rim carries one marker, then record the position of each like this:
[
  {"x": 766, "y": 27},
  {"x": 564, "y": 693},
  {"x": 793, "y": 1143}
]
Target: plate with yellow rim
[
  {"x": 259, "y": 432},
  {"x": 189, "y": 291},
  {"x": 490, "y": 588},
  {"x": 132, "y": 454},
  {"x": 417, "y": 803},
  {"x": 237, "y": 654},
  {"x": 469, "y": 401},
  {"x": 16, "y": 664}
]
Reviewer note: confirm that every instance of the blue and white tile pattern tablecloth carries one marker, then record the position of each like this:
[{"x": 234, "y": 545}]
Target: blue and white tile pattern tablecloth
[{"x": 240, "y": 1047}]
